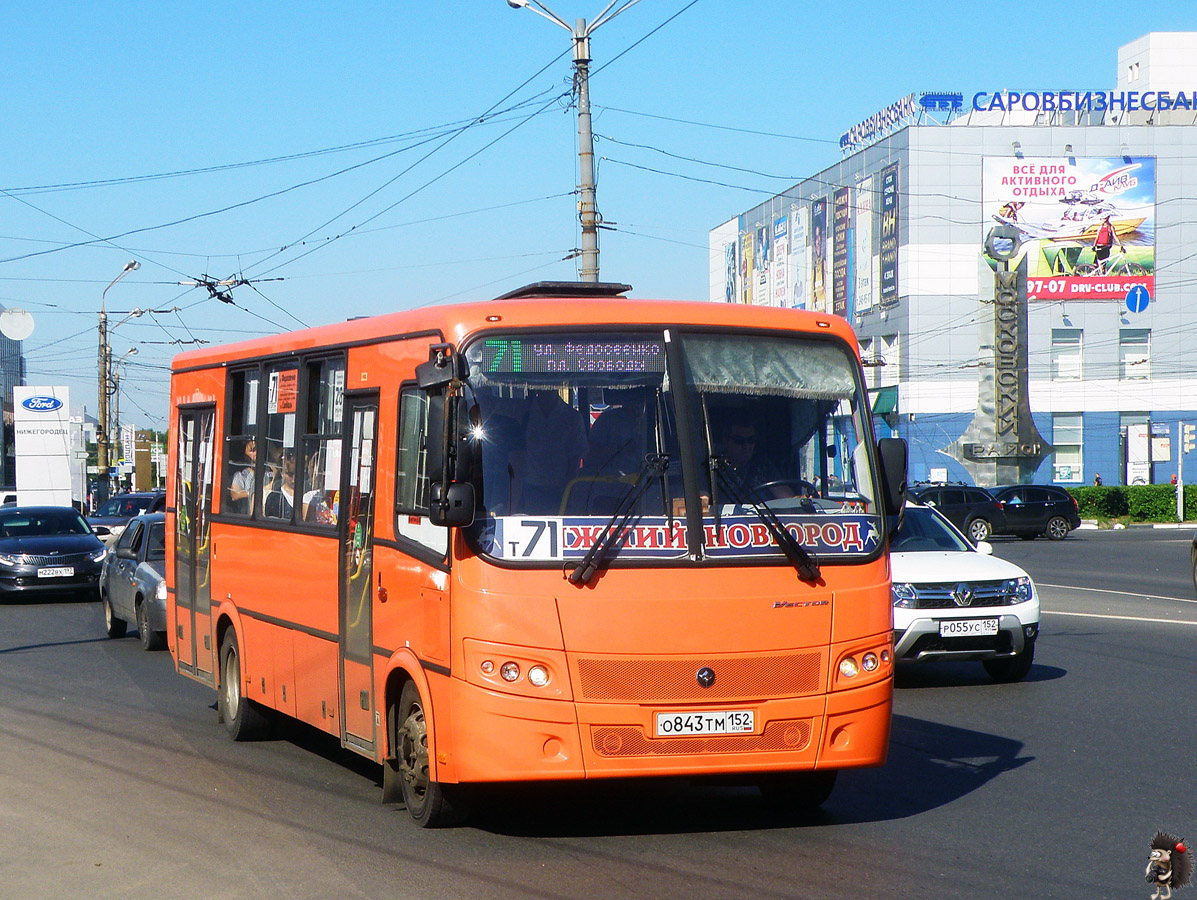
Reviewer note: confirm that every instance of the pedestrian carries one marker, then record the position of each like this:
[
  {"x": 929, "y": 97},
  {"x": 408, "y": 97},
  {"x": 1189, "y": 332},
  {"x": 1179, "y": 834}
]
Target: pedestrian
[
  {"x": 1097, "y": 479},
  {"x": 1174, "y": 478}
]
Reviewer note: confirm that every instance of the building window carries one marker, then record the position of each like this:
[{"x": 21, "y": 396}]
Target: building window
[
  {"x": 1068, "y": 439},
  {"x": 1134, "y": 354},
  {"x": 1067, "y": 354}
]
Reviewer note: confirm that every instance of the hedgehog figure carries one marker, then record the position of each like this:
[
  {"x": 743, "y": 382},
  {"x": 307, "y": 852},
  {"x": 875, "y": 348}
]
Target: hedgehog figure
[{"x": 1169, "y": 866}]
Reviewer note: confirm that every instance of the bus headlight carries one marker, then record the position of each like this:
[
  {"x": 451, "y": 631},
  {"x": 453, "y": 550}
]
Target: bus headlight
[
  {"x": 510, "y": 671},
  {"x": 538, "y": 676},
  {"x": 849, "y": 667}
]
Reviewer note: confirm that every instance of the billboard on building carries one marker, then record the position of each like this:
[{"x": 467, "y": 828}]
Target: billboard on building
[
  {"x": 1087, "y": 224},
  {"x": 746, "y": 270},
  {"x": 889, "y": 235},
  {"x": 864, "y": 245},
  {"x": 762, "y": 261},
  {"x": 781, "y": 261},
  {"x": 840, "y": 221},
  {"x": 41, "y": 422},
  {"x": 818, "y": 215},
  {"x": 799, "y": 267}
]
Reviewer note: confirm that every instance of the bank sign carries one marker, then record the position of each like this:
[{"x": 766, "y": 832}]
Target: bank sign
[{"x": 42, "y": 433}]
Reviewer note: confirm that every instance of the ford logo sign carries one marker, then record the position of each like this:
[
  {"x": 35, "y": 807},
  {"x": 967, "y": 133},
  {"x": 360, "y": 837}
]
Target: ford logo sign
[{"x": 41, "y": 404}]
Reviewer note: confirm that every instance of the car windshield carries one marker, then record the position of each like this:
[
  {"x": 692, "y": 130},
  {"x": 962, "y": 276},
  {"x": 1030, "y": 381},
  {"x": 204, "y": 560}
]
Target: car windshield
[
  {"x": 19, "y": 524},
  {"x": 563, "y": 427},
  {"x": 925, "y": 529},
  {"x": 125, "y": 507},
  {"x": 156, "y": 548}
]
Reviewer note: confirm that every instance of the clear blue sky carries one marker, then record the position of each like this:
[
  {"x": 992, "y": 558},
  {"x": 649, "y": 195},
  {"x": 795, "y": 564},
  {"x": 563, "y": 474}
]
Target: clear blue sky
[{"x": 203, "y": 139}]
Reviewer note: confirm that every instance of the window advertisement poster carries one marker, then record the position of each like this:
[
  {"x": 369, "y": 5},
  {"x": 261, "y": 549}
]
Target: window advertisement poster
[
  {"x": 840, "y": 221},
  {"x": 42, "y": 435},
  {"x": 746, "y": 273},
  {"x": 1087, "y": 224},
  {"x": 799, "y": 257},
  {"x": 889, "y": 235},
  {"x": 818, "y": 215},
  {"x": 763, "y": 260},
  {"x": 864, "y": 245},
  {"x": 781, "y": 259}
]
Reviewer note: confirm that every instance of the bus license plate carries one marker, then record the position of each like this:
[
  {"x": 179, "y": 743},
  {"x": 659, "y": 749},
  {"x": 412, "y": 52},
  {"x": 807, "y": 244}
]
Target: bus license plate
[
  {"x": 968, "y": 627},
  {"x": 686, "y": 724},
  {"x": 56, "y": 572}
]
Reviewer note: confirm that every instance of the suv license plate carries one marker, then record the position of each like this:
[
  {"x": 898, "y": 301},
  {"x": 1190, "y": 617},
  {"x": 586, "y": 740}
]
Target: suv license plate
[
  {"x": 968, "y": 627},
  {"x": 56, "y": 572},
  {"x": 686, "y": 724}
]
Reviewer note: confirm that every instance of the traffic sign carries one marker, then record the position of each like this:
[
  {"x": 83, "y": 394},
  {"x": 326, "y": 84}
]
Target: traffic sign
[{"x": 1137, "y": 298}]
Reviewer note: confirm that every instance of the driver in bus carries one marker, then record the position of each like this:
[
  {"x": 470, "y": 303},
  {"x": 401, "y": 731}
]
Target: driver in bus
[
  {"x": 739, "y": 452},
  {"x": 554, "y": 444}
]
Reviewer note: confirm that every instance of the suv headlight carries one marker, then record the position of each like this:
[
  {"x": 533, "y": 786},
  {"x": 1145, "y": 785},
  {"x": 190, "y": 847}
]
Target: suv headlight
[
  {"x": 9, "y": 559},
  {"x": 904, "y": 595},
  {"x": 98, "y": 555},
  {"x": 1018, "y": 590}
]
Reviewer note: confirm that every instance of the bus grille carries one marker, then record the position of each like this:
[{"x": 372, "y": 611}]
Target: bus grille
[
  {"x": 630, "y": 740},
  {"x": 736, "y": 678}
]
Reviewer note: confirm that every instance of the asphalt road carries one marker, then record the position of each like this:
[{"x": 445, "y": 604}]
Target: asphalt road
[{"x": 116, "y": 781}]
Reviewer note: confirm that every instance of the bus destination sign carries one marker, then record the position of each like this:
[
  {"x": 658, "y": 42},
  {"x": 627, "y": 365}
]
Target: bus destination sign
[{"x": 582, "y": 354}]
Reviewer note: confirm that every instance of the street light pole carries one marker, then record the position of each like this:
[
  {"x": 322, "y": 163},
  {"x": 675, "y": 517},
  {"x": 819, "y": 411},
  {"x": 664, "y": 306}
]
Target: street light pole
[
  {"x": 116, "y": 398},
  {"x": 105, "y": 363},
  {"x": 587, "y": 205}
]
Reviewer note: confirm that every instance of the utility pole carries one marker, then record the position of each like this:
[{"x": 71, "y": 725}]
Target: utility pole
[
  {"x": 587, "y": 205},
  {"x": 103, "y": 437}
]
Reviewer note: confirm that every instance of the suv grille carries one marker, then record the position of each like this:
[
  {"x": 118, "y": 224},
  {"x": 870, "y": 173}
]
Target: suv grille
[{"x": 964, "y": 595}]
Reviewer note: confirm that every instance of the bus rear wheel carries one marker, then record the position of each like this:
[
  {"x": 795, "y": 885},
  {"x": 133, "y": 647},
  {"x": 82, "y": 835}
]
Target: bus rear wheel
[
  {"x": 429, "y": 803},
  {"x": 243, "y": 719}
]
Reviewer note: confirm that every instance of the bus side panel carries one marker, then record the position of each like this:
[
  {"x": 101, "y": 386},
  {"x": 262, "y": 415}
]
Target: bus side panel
[{"x": 316, "y": 681}]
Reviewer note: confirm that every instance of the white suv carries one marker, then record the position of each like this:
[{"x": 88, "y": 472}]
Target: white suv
[{"x": 954, "y": 600}]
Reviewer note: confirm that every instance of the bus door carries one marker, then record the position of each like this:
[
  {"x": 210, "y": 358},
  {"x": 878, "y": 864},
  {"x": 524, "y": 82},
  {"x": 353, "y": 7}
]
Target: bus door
[
  {"x": 356, "y": 571},
  {"x": 193, "y": 507}
]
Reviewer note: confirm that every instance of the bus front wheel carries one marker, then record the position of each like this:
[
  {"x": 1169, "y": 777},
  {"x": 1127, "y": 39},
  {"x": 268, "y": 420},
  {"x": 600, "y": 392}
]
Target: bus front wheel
[
  {"x": 243, "y": 719},
  {"x": 429, "y": 803}
]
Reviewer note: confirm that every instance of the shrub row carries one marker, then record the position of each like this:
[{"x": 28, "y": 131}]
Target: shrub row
[{"x": 1137, "y": 502}]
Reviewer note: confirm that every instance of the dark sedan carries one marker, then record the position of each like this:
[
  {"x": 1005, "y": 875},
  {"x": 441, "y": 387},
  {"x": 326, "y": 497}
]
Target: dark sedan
[
  {"x": 115, "y": 513},
  {"x": 1035, "y": 509},
  {"x": 48, "y": 550},
  {"x": 133, "y": 585}
]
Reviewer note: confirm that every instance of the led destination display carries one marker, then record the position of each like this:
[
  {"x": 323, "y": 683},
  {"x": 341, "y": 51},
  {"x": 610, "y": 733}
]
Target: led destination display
[{"x": 580, "y": 354}]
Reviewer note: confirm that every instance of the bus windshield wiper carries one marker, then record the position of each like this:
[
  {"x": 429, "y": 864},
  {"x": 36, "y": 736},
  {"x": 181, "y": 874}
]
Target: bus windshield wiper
[
  {"x": 654, "y": 465},
  {"x": 801, "y": 558}
]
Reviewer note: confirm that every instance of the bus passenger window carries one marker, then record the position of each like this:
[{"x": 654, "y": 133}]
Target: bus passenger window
[{"x": 241, "y": 448}]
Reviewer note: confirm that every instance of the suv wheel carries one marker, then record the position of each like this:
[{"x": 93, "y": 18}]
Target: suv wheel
[
  {"x": 1057, "y": 528},
  {"x": 979, "y": 530}
]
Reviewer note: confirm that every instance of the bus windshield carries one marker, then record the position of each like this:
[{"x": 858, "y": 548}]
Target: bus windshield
[{"x": 569, "y": 429}]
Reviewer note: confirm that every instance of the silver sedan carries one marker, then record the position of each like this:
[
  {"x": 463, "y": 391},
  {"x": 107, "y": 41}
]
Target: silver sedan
[{"x": 133, "y": 582}]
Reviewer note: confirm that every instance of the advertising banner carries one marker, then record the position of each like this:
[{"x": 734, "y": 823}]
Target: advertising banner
[
  {"x": 729, "y": 273},
  {"x": 839, "y": 251},
  {"x": 799, "y": 257},
  {"x": 1087, "y": 225},
  {"x": 864, "y": 245},
  {"x": 781, "y": 258},
  {"x": 818, "y": 217},
  {"x": 762, "y": 260},
  {"x": 746, "y": 272},
  {"x": 889, "y": 235},
  {"x": 42, "y": 432}
]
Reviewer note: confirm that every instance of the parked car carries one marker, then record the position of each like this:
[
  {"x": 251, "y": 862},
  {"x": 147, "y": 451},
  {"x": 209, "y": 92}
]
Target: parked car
[
  {"x": 8, "y": 496},
  {"x": 133, "y": 584},
  {"x": 48, "y": 550},
  {"x": 954, "y": 600},
  {"x": 115, "y": 512},
  {"x": 971, "y": 509},
  {"x": 1035, "y": 509}
]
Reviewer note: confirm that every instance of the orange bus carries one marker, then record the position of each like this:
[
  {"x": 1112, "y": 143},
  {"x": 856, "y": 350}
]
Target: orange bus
[{"x": 559, "y": 535}]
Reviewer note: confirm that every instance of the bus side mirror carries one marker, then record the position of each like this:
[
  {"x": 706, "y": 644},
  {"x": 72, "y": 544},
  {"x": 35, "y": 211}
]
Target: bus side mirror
[
  {"x": 452, "y": 504},
  {"x": 893, "y": 454},
  {"x": 442, "y": 367}
]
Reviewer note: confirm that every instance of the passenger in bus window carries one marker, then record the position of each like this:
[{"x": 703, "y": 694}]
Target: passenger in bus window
[
  {"x": 280, "y": 501},
  {"x": 554, "y": 444},
  {"x": 241, "y": 488}
]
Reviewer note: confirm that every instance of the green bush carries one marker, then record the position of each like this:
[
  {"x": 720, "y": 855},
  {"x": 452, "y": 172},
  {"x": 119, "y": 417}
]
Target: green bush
[{"x": 1138, "y": 502}]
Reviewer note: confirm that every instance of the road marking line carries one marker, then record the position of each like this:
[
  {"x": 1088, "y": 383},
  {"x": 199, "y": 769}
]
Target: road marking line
[
  {"x": 1073, "y": 587},
  {"x": 1052, "y": 612}
]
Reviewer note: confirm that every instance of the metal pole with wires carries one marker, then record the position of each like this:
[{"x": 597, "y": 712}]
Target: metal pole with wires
[
  {"x": 587, "y": 204},
  {"x": 103, "y": 436}
]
